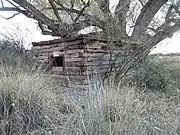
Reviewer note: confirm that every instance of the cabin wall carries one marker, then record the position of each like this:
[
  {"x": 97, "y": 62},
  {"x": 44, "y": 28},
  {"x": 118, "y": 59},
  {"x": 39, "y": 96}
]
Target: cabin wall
[
  {"x": 72, "y": 52},
  {"x": 99, "y": 55}
]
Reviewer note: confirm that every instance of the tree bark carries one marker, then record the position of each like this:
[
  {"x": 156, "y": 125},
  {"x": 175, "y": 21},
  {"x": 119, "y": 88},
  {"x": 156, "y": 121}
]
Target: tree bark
[{"x": 144, "y": 19}]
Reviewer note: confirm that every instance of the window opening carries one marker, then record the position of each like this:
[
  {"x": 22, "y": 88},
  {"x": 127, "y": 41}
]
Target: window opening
[{"x": 58, "y": 61}]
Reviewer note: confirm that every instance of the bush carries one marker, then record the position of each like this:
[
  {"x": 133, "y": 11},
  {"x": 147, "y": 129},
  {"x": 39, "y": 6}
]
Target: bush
[
  {"x": 13, "y": 54},
  {"x": 154, "y": 74}
]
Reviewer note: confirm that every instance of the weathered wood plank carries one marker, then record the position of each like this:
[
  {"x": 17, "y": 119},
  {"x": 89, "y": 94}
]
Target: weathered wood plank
[
  {"x": 94, "y": 54},
  {"x": 42, "y": 60},
  {"x": 73, "y": 59},
  {"x": 96, "y": 51},
  {"x": 69, "y": 69},
  {"x": 65, "y": 73},
  {"x": 94, "y": 73},
  {"x": 60, "y": 48},
  {"x": 73, "y": 64},
  {"x": 41, "y": 57},
  {"x": 59, "y": 43},
  {"x": 72, "y": 55},
  {"x": 74, "y": 51}
]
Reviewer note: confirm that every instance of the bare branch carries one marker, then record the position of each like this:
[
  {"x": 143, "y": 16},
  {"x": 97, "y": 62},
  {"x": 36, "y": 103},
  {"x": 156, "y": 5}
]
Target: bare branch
[
  {"x": 161, "y": 35},
  {"x": 103, "y": 5},
  {"x": 142, "y": 4},
  {"x": 13, "y": 9},
  {"x": 84, "y": 3},
  {"x": 167, "y": 22},
  {"x": 82, "y": 10},
  {"x": 11, "y": 16},
  {"x": 2, "y": 4},
  {"x": 55, "y": 10},
  {"x": 72, "y": 4},
  {"x": 146, "y": 16},
  {"x": 121, "y": 14},
  {"x": 66, "y": 9},
  {"x": 62, "y": 7}
]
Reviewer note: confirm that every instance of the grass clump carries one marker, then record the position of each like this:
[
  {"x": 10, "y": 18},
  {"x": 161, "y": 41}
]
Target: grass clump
[
  {"x": 125, "y": 110},
  {"x": 35, "y": 104},
  {"x": 23, "y": 100}
]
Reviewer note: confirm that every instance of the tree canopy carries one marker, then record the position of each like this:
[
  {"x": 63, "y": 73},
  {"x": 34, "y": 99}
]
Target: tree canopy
[{"x": 144, "y": 20}]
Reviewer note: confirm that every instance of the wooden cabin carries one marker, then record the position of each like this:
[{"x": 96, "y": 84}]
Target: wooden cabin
[{"x": 79, "y": 58}]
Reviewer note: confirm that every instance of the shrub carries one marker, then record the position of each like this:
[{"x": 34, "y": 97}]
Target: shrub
[
  {"x": 13, "y": 54},
  {"x": 153, "y": 74}
]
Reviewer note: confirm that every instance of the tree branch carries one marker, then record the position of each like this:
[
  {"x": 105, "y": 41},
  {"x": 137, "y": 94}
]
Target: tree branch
[
  {"x": 142, "y": 4},
  {"x": 8, "y": 18},
  {"x": 13, "y": 9},
  {"x": 2, "y": 4},
  {"x": 103, "y": 5},
  {"x": 51, "y": 2},
  {"x": 30, "y": 11},
  {"x": 167, "y": 22},
  {"x": 146, "y": 16},
  {"x": 121, "y": 14},
  {"x": 82, "y": 10},
  {"x": 161, "y": 35}
]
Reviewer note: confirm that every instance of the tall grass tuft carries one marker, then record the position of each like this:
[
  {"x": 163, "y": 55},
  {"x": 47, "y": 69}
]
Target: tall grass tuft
[
  {"x": 114, "y": 110},
  {"x": 23, "y": 100}
]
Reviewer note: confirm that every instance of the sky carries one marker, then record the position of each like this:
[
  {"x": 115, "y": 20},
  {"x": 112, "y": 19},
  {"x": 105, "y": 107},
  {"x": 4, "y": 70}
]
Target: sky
[{"x": 28, "y": 29}]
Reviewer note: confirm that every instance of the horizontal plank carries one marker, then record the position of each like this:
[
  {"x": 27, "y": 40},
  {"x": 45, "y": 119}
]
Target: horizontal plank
[
  {"x": 72, "y": 55},
  {"x": 98, "y": 63},
  {"x": 81, "y": 46},
  {"x": 64, "y": 73},
  {"x": 74, "y": 51},
  {"x": 74, "y": 59},
  {"x": 41, "y": 57},
  {"x": 100, "y": 73},
  {"x": 95, "y": 51},
  {"x": 62, "y": 43},
  {"x": 69, "y": 69},
  {"x": 42, "y": 60},
  {"x": 95, "y": 54},
  {"x": 97, "y": 59},
  {"x": 73, "y": 63}
]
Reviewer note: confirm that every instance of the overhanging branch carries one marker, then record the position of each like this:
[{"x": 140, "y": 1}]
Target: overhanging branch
[
  {"x": 147, "y": 14},
  {"x": 13, "y": 9},
  {"x": 161, "y": 35}
]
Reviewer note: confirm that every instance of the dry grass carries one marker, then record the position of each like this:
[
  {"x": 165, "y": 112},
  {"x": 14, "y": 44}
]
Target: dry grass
[{"x": 34, "y": 104}]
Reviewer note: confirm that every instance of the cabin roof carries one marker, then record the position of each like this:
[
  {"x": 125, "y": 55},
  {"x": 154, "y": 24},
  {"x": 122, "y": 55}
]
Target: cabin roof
[{"x": 84, "y": 39}]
